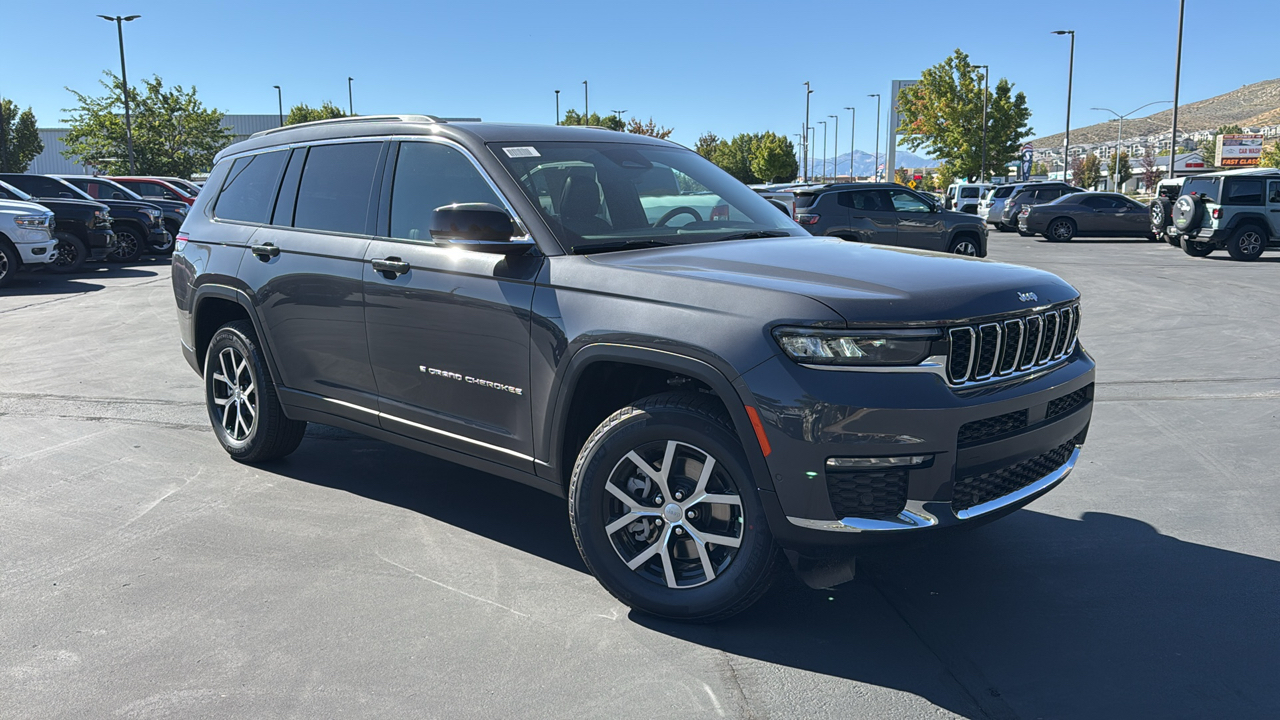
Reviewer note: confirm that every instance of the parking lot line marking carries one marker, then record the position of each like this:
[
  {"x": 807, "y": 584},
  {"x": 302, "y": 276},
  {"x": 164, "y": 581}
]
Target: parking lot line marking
[{"x": 447, "y": 587}]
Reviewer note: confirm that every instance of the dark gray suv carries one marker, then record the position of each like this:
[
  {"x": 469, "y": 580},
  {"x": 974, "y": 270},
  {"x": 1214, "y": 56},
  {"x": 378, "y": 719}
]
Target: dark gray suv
[
  {"x": 888, "y": 214},
  {"x": 613, "y": 319}
]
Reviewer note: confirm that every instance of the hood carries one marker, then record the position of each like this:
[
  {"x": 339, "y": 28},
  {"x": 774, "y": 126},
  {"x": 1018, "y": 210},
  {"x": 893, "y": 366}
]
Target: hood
[
  {"x": 865, "y": 284},
  {"x": 70, "y": 205},
  {"x": 22, "y": 206}
]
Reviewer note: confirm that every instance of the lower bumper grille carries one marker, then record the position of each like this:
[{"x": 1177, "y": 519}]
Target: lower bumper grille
[
  {"x": 973, "y": 490},
  {"x": 873, "y": 494},
  {"x": 1069, "y": 402}
]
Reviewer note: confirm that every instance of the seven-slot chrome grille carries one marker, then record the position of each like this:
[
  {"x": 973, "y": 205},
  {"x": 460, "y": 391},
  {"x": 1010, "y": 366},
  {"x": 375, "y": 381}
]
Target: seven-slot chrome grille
[{"x": 1011, "y": 347}]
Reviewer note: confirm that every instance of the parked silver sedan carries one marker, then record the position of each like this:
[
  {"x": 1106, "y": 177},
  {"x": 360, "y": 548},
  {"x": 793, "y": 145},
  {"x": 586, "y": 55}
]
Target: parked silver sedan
[{"x": 1087, "y": 213}]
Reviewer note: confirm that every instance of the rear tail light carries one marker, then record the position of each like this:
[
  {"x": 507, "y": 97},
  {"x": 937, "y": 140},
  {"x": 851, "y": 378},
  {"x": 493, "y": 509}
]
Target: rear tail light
[
  {"x": 180, "y": 242},
  {"x": 807, "y": 218},
  {"x": 1217, "y": 213}
]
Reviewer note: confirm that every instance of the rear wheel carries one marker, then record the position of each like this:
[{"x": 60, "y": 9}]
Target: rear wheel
[
  {"x": 1195, "y": 248},
  {"x": 130, "y": 245},
  {"x": 1247, "y": 243},
  {"x": 241, "y": 399},
  {"x": 1060, "y": 230},
  {"x": 665, "y": 514},
  {"x": 9, "y": 262},
  {"x": 71, "y": 254}
]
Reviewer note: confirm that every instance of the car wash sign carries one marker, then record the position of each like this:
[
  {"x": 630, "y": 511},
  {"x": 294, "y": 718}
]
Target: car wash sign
[{"x": 1238, "y": 150}]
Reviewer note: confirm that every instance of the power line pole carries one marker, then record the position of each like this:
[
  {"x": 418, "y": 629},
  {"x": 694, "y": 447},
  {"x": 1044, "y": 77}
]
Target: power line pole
[
  {"x": 1177, "y": 82},
  {"x": 808, "y": 172}
]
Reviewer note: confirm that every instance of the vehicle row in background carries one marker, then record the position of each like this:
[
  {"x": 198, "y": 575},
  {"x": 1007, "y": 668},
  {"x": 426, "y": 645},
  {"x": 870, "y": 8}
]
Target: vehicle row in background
[
  {"x": 887, "y": 214},
  {"x": 26, "y": 237}
]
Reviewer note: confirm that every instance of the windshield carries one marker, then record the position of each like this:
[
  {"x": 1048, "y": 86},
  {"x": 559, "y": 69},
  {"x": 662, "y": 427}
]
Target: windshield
[
  {"x": 607, "y": 196},
  {"x": 1206, "y": 186},
  {"x": 76, "y": 192}
]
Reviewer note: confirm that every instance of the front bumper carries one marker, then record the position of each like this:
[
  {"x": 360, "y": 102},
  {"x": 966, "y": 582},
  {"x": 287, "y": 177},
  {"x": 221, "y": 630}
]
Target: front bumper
[
  {"x": 101, "y": 243},
  {"x": 159, "y": 238},
  {"x": 810, "y": 415},
  {"x": 35, "y": 247}
]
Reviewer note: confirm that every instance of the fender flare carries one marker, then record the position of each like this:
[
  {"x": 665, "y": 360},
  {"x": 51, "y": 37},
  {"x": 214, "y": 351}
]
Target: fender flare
[
  {"x": 240, "y": 297},
  {"x": 1252, "y": 218},
  {"x": 728, "y": 391}
]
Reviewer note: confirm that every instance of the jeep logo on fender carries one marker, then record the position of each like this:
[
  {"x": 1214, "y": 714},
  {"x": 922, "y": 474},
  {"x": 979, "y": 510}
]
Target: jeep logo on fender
[{"x": 1027, "y": 297}]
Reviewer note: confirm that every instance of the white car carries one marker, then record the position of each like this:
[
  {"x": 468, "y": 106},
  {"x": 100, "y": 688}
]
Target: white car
[{"x": 26, "y": 237}]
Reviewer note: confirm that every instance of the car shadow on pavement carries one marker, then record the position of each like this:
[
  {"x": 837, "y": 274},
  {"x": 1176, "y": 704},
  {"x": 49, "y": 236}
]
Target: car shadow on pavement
[
  {"x": 1228, "y": 258},
  {"x": 47, "y": 283},
  {"x": 1036, "y": 616}
]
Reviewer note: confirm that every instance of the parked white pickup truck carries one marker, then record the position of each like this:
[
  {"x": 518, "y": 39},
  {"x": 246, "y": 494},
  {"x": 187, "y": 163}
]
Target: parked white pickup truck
[{"x": 26, "y": 237}]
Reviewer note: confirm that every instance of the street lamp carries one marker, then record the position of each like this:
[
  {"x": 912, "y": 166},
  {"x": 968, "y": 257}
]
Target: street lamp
[
  {"x": 1071, "y": 69},
  {"x": 986, "y": 90},
  {"x": 351, "y": 108},
  {"x": 812, "y": 131},
  {"x": 1177, "y": 82},
  {"x": 807, "y": 92},
  {"x": 852, "y": 139},
  {"x": 823, "y": 123},
  {"x": 280, "y": 103},
  {"x": 617, "y": 113},
  {"x": 1119, "y": 134},
  {"x": 586, "y": 101},
  {"x": 835, "y": 147},
  {"x": 124, "y": 81},
  {"x": 557, "y": 107},
  {"x": 875, "y": 173}
]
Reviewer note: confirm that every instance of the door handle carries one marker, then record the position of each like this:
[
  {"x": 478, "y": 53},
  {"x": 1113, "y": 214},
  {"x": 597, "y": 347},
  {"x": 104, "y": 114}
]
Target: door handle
[
  {"x": 391, "y": 267},
  {"x": 265, "y": 251}
]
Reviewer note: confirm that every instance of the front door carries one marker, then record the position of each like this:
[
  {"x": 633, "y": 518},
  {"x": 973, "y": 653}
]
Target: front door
[
  {"x": 918, "y": 225},
  {"x": 449, "y": 328},
  {"x": 871, "y": 216}
]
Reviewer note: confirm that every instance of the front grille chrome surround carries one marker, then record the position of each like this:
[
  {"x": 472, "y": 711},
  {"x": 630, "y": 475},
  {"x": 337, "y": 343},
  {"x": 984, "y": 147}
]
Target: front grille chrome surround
[{"x": 989, "y": 351}]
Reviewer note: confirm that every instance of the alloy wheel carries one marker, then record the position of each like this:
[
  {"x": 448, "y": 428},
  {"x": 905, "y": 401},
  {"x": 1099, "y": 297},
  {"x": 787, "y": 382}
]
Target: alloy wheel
[
  {"x": 236, "y": 393},
  {"x": 1250, "y": 243},
  {"x": 65, "y": 254},
  {"x": 4, "y": 267},
  {"x": 964, "y": 247},
  {"x": 1062, "y": 230},
  {"x": 126, "y": 246},
  {"x": 673, "y": 515}
]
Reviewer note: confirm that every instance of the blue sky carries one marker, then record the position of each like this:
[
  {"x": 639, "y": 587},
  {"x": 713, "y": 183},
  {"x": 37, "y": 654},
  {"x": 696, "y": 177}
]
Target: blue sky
[{"x": 696, "y": 66}]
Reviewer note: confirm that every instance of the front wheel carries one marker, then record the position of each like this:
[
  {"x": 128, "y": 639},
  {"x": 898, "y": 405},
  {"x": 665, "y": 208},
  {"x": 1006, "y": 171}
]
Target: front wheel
[
  {"x": 665, "y": 514},
  {"x": 1246, "y": 243},
  {"x": 71, "y": 253},
  {"x": 9, "y": 262},
  {"x": 130, "y": 245},
  {"x": 963, "y": 246},
  {"x": 241, "y": 399}
]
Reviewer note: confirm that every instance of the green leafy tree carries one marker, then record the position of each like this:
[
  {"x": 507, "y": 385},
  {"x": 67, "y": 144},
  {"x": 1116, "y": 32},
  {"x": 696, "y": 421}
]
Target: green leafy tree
[
  {"x": 1209, "y": 148},
  {"x": 945, "y": 176},
  {"x": 650, "y": 128},
  {"x": 942, "y": 113},
  {"x": 173, "y": 132},
  {"x": 1039, "y": 168},
  {"x": 707, "y": 143},
  {"x": 1271, "y": 156},
  {"x": 303, "y": 113},
  {"x": 612, "y": 122},
  {"x": 734, "y": 157},
  {"x": 1124, "y": 168},
  {"x": 19, "y": 141},
  {"x": 1089, "y": 172},
  {"x": 773, "y": 158},
  {"x": 900, "y": 176}
]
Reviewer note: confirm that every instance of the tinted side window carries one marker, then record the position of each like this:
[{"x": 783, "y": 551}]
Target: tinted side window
[
  {"x": 969, "y": 192},
  {"x": 1207, "y": 187},
  {"x": 1243, "y": 192},
  {"x": 906, "y": 202},
  {"x": 336, "y": 183},
  {"x": 866, "y": 200},
  {"x": 1099, "y": 203},
  {"x": 429, "y": 176},
  {"x": 249, "y": 188},
  {"x": 1003, "y": 192},
  {"x": 1274, "y": 195},
  {"x": 283, "y": 214}
]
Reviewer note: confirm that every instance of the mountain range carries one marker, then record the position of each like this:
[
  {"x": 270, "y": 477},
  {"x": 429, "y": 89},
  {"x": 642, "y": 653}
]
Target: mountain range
[
  {"x": 1253, "y": 105},
  {"x": 864, "y": 162}
]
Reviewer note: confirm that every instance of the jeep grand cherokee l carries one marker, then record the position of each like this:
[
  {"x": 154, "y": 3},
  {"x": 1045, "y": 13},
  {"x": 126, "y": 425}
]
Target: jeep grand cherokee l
[{"x": 703, "y": 381}]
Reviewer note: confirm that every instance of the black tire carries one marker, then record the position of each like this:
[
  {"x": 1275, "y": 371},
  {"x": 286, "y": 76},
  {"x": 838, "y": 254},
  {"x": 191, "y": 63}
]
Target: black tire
[
  {"x": 965, "y": 245},
  {"x": 71, "y": 254},
  {"x": 234, "y": 354},
  {"x": 1006, "y": 228},
  {"x": 1247, "y": 243},
  {"x": 166, "y": 248},
  {"x": 1195, "y": 248},
  {"x": 1060, "y": 230},
  {"x": 131, "y": 243},
  {"x": 9, "y": 263},
  {"x": 684, "y": 427},
  {"x": 1171, "y": 238}
]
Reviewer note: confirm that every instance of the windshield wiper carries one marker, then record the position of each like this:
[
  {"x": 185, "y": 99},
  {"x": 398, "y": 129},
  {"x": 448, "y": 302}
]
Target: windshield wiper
[
  {"x": 754, "y": 234},
  {"x": 623, "y": 245}
]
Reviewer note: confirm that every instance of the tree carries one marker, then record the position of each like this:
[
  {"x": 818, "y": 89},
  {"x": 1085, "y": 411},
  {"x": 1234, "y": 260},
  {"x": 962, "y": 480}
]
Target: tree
[
  {"x": 1090, "y": 173},
  {"x": 734, "y": 157},
  {"x": 1152, "y": 173},
  {"x": 1038, "y": 168},
  {"x": 773, "y": 159},
  {"x": 943, "y": 114},
  {"x": 1271, "y": 156},
  {"x": 303, "y": 113},
  {"x": 173, "y": 133},
  {"x": 900, "y": 176},
  {"x": 1124, "y": 168},
  {"x": 1209, "y": 148},
  {"x": 19, "y": 141},
  {"x": 707, "y": 143},
  {"x": 1076, "y": 169},
  {"x": 611, "y": 122},
  {"x": 636, "y": 127}
]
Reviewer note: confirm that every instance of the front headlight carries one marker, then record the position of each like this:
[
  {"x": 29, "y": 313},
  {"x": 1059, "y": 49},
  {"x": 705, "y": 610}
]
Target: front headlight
[
  {"x": 34, "y": 221},
  {"x": 154, "y": 214},
  {"x": 856, "y": 347},
  {"x": 182, "y": 210}
]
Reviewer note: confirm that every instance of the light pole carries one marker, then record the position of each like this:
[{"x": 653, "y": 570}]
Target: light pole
[
  {"x": 835, "y": 147},
  {"x": 799, "y": 138},
  {"x": 1119, "y": 134},
  {"x": 1071, "y": 70},
  {"x": 280, "y": 103},
  {"x": 351, "y": 108},
  {"x": 4, "y": 140},
  {"x": 812, "y": 132},
  {"x": 807, "y": 92},
  {"x": 124, "y": 81},
  {"x": 1177, "y": 82},
  {"x": 875, "y": 173},
  {"x": 618, "y": 114},
  {"x": 823, "y": 123},
  {"x": 852, "y": 139},
  {"x": 986, "y": 90},
  {"x": 557, "y": 107},
  {"x": 586, "y": 101}
]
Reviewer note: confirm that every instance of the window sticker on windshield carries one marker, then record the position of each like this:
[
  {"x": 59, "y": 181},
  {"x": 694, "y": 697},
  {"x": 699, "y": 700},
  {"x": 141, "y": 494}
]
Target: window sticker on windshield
[{"x": 519, "y": 152}]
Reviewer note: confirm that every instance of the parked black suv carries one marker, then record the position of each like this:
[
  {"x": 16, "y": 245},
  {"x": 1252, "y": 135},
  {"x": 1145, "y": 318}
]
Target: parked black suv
[
  {"x": 705, "y": 382},
  {"x": 888, "y": 214},
  {"x": 136, "y": 224},
  {"x": 175, "y": 211},
  {"x": 82, "y": 227}
]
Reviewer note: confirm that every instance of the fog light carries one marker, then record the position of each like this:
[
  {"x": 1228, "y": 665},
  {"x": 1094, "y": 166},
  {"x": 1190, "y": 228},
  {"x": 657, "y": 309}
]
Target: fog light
[
  {"x": 38, "y": 251},
  {"x": 847, "y": 463}
]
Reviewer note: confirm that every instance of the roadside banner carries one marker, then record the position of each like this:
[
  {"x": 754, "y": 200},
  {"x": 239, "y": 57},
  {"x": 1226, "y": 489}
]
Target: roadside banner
[
  {"x": 1024, "y": 167},
  {"x": 1238, "y": 150}
]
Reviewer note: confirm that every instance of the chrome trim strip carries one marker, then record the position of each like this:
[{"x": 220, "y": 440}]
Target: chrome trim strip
[
  {"x": 428, "y": 428},
  {"x": 909, "y": 519},
  {"x": 1034, "y": 488}
]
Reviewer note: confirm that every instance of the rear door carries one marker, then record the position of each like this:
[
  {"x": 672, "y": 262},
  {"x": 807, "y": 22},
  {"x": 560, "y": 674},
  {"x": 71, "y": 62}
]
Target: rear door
[
  {"x": 918, "y": 225},
  {"x": 449, "y": 334},
  {"x": 872, "y": 218}
]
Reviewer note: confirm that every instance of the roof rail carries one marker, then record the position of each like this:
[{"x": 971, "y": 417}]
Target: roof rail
[{"x": 352, "y": 119}]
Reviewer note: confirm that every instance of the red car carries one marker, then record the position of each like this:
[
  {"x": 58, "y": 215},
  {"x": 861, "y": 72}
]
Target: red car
[{"x": 149, "y": 187}]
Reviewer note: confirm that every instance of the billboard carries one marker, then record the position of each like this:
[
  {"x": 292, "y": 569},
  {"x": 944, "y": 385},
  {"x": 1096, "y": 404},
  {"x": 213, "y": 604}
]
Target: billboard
[{"x": 1238, "y": 150}]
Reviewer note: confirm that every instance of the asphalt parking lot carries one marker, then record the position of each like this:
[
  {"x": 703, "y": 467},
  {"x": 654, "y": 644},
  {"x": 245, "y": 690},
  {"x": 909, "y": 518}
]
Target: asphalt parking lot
[{"x": 144, "y": 574}]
